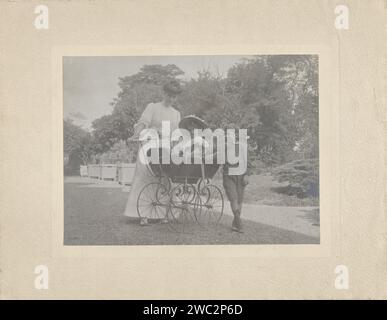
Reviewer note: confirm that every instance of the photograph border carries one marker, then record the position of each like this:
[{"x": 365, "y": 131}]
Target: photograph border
[{"x": 328, "y": 157}]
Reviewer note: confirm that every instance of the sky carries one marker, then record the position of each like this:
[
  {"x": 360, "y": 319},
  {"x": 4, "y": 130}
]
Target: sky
[{"x": 91, "y": 83}]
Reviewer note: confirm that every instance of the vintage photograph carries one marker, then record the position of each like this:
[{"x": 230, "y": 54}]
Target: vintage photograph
[{"x": 191, "y": 150}]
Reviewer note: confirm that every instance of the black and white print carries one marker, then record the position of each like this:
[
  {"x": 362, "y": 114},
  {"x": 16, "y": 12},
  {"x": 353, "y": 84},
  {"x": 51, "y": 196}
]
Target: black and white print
[{"x": 110, "y": 198}]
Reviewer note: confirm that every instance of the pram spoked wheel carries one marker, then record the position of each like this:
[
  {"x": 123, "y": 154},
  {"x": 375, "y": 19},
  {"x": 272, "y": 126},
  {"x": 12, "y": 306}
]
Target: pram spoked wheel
[
  {"x": 184, "y": 202},
  {"x": 212, "y": 205},
  {"x": 153, "y": 201}
]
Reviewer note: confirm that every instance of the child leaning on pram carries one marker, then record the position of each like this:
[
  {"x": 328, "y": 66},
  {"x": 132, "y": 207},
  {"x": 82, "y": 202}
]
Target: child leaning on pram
[{"x": 234, "y": 185}]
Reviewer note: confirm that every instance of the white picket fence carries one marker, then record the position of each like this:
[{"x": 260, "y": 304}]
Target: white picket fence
[{"x": 123, "y": 173}]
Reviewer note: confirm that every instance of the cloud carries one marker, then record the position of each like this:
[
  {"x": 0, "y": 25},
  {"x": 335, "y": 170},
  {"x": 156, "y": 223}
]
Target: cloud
[{"x": 77, "y": 115}]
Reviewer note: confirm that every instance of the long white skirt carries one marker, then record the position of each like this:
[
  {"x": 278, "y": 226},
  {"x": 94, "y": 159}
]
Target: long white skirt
[{"x": 143, "y": 177}]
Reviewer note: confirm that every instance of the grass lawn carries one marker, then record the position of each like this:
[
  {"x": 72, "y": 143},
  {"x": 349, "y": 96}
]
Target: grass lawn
[
  {"x": 260, "y": 190},
  {"x": 93, "y": 216}
]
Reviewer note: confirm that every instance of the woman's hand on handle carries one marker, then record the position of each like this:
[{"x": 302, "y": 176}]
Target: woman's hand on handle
[
  {"x": 136, "y": 135},
  {"x": 133, "y": 138}
]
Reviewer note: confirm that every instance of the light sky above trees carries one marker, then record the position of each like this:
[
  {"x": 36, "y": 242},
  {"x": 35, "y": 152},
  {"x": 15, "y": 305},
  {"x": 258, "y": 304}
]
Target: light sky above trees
[{"x": 91, "y": 83}]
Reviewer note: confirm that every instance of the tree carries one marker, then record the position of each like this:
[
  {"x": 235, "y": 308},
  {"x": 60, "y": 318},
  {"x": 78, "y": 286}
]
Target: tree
[
  {"x": 278, "y": 95},
  {"x": 77, "y": 146},
  {"x": 106, "y": 132},
  {"x": 299, "y": 76},
  {"x": 261, "y": 101}
]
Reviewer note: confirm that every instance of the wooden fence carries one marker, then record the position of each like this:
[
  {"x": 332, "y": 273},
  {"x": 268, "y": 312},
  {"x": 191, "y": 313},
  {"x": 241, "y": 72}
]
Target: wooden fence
[{"x": 123, "y": 173}]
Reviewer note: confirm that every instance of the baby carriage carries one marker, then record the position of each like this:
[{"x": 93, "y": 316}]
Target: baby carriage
[{"x": 184, "y": 195}]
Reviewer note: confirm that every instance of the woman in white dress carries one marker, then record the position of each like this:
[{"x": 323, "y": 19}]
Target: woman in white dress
[{"x": 152, "y": 117}]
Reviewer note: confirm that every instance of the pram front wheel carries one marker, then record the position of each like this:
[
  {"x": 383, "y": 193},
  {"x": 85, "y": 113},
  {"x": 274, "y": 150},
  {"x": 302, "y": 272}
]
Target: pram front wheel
[
  {"x": 212, "y": 205},
  {"x": 183, "y": 204},
  {"x": 153, "y": 201}
]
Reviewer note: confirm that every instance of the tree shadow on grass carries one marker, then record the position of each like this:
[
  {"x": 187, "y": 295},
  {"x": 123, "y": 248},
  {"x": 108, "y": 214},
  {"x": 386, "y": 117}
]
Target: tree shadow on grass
[{"x": 313, "y": 216}]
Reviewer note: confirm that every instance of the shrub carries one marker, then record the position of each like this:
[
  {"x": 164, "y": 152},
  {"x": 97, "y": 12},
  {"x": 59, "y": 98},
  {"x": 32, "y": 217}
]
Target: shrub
[{"x": 302, "y": 177}]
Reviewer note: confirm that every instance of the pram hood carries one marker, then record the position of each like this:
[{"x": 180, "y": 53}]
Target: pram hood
[{"x": 192, "y": 121}]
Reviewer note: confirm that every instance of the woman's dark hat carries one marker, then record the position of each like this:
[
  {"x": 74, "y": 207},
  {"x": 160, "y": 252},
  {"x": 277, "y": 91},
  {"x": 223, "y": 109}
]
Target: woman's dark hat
[{"x": 172, "y": 87}]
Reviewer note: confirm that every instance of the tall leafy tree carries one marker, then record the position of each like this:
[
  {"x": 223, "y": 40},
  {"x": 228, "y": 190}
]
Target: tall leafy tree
[{"x": 261, "y": 100}]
